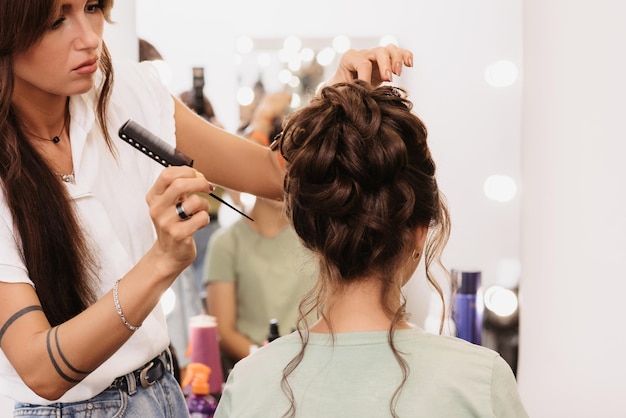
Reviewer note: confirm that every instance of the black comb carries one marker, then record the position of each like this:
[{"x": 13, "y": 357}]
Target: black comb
[{"x": 160, "y": 151}]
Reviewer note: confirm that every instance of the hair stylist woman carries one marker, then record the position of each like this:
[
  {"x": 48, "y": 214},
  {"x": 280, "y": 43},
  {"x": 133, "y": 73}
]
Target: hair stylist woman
[{"x": 91, "y": 233}]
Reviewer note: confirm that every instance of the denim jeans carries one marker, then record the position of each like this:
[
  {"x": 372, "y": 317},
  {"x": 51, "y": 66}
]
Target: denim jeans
[{"x": 164, "y": 399}]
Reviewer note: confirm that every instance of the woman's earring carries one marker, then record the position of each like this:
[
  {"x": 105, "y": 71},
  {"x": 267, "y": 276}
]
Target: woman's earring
[{"x": 415, "y": 256}]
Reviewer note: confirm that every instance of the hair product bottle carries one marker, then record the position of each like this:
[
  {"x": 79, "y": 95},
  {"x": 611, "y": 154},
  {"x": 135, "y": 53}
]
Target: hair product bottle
[
  {"x": 273, "y": 331},
  {"x": 198, "y": 90},
  {"x": 205, "y": 349},
  {"x": 199, "y": 402},
  {"x": 467, "y": 310}
]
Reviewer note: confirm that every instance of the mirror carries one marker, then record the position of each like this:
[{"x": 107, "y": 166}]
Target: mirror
[
  {"x": 294, "y": 64},
  {"x": 298, "y": 65},
  {"x": 464, "y": 85}
]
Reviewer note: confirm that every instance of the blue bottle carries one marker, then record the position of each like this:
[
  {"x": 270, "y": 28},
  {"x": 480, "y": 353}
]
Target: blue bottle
[{"x": 467, "y": 312}]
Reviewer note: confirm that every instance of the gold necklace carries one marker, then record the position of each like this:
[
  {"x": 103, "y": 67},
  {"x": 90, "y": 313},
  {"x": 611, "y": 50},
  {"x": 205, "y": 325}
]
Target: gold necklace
[{"x": 56, "y": 139}]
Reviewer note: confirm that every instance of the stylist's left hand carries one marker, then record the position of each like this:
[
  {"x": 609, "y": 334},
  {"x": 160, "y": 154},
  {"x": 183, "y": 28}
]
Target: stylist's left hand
[{"x": 374, "y": 65}]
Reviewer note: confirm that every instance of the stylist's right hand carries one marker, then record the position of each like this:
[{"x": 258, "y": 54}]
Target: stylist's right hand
[{"x": 177, "y": 212}]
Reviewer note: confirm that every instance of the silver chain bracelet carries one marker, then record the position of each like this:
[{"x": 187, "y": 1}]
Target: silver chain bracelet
[{"x": 118, "y": 308}]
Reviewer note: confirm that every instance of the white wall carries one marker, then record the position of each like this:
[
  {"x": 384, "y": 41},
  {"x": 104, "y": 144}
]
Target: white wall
[
  {"x": 474, "y": 129},
  {"x": 572, "y": 359},
  {"x": 121, "y": 36}
]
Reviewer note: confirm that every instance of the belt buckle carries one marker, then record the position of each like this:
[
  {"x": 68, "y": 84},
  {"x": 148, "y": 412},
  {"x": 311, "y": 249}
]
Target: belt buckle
[{"x": 143, "y": 375}]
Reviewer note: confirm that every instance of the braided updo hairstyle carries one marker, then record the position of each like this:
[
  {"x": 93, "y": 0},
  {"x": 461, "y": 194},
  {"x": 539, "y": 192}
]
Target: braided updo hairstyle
[{"x": 360, "y": 180}]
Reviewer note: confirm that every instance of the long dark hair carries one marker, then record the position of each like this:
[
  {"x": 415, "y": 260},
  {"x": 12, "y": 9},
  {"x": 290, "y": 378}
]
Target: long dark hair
[
  {"x": 52, "y": 244},
  {"x": 360, "y": 180}
]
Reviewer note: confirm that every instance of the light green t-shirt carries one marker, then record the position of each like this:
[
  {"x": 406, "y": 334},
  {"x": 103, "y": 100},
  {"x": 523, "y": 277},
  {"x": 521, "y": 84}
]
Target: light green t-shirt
[
  {"x": 356, "y": 378},
  {"x": 271, "y": 276}
]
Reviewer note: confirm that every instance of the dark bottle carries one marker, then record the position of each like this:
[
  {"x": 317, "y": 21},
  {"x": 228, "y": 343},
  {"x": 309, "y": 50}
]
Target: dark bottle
[
  {"x": 198, "y": 91},
  {"x": 273, "y": 332}
]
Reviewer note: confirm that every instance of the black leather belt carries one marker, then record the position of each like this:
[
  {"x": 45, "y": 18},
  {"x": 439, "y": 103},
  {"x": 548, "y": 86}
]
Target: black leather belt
[{"x": 147, "y": 375}]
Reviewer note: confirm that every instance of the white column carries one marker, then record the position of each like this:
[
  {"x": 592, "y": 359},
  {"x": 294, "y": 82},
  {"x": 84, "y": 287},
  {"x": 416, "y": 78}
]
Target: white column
[
  {"x": 573, "y": 340},
  {"x": 121, "y": 36}
]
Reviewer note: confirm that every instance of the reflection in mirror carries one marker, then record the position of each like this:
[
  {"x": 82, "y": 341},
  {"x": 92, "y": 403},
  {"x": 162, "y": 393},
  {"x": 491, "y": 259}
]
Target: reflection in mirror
[{"x": 294, "y": 64}]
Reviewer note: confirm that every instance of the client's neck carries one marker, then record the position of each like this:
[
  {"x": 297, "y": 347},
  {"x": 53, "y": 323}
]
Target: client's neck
[{"x": 357, "y": 308}]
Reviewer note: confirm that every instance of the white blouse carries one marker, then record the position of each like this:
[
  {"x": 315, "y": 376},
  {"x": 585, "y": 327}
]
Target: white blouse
[{"x": 109, "y": 197}]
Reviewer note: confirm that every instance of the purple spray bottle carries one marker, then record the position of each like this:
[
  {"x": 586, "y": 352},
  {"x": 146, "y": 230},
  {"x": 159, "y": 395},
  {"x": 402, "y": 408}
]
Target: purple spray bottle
[{"x": 468, "y": 315}]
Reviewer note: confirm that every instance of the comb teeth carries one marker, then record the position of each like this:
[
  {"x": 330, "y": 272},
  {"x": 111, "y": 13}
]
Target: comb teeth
[
  {"x": 145, "y": 150},
  {"x": 160, "y": 151}
]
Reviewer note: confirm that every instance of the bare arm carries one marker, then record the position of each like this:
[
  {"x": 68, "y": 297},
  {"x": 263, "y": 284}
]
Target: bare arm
[
  {"x": 222, "y": 304},
  {"x": 227, "y": 159},
  {"x": 242, "y": 165},
  {"x": 53, "y": 360}
]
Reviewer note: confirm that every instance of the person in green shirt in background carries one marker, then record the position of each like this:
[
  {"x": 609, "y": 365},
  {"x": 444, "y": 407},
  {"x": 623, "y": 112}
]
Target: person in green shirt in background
[{"x": 256, "y": 271}]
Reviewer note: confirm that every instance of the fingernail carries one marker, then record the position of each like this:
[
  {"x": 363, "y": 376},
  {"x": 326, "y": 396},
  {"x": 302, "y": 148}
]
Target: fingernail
[
  {"x": 388, "y": 75},
  {"x": 398, "y": 68},
  {"x": 410, "y": 62}
]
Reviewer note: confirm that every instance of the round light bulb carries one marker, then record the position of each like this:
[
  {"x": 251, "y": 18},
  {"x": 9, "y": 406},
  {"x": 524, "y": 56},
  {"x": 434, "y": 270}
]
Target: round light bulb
[
  {"x": 502, "y": 73},
  {"x": 245, "y": 44},
  {"x": 168, "y": 301},
  {"x": 341, "y": 43},
  {"x": 500, "y": 188},
  {"x": 501, "y": 301},
  {"x": 245, "y": 96}
]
